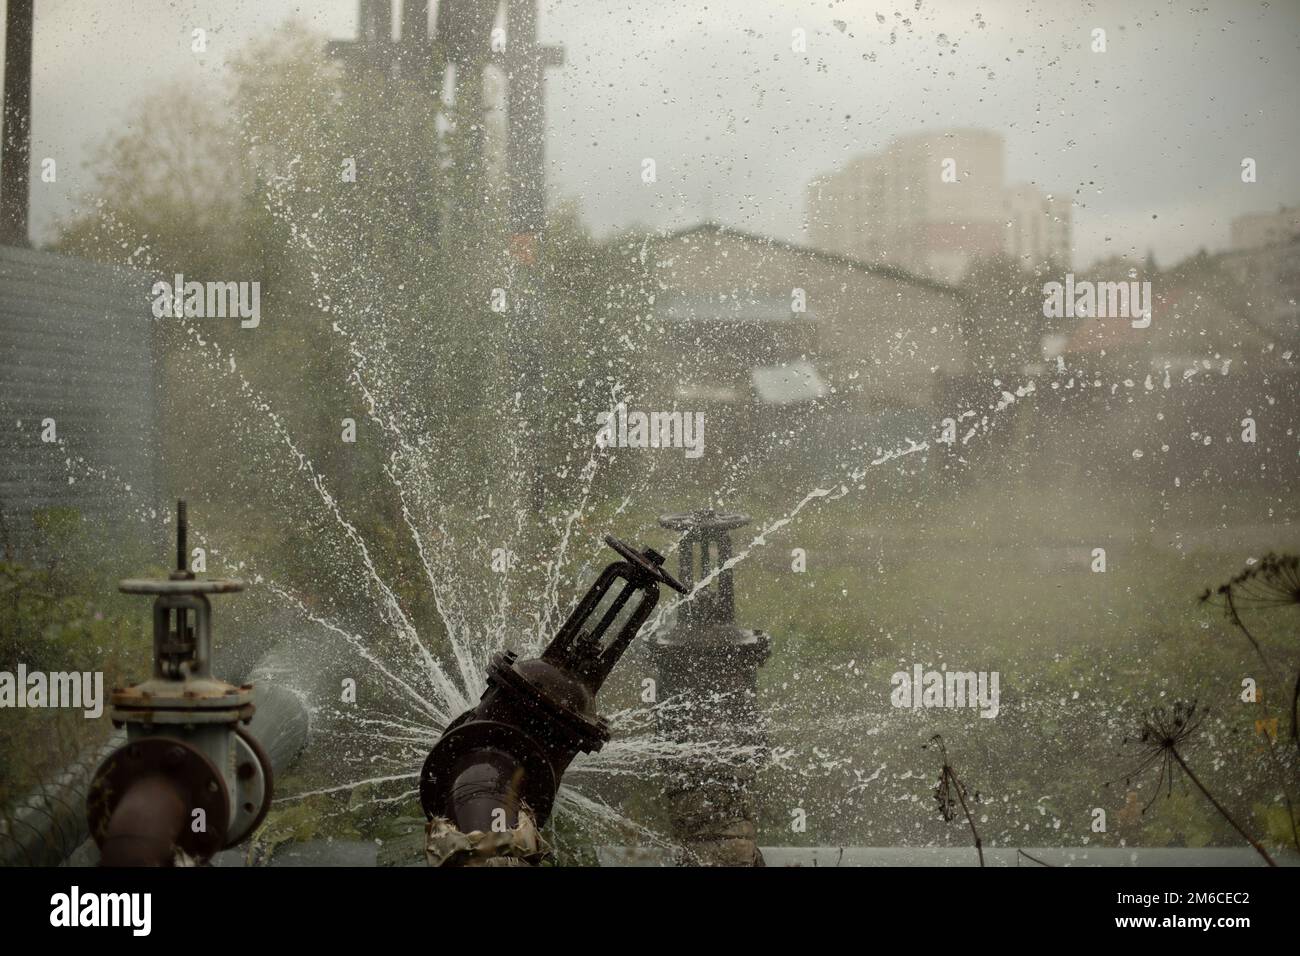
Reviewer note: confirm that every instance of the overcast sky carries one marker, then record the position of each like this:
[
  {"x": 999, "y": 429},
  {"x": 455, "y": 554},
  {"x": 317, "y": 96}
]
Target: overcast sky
[{"x": 1146, "y": 138}]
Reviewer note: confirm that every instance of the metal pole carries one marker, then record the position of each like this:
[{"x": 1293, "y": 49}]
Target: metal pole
[
  {"x": 414, "y": 51},
  {"x": 17, "y": 125}
]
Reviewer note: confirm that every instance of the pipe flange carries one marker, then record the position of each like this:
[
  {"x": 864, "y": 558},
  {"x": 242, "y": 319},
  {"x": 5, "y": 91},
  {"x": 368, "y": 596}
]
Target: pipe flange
[
  {"x": 253, "y": 785},
  {"x": 195, "y": 777}
]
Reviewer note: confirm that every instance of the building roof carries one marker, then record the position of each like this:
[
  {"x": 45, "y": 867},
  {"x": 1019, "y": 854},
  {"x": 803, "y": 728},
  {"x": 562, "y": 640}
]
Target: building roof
[
  {"x": 831, "y": 258},
  {"x": 713, "y": 308}
]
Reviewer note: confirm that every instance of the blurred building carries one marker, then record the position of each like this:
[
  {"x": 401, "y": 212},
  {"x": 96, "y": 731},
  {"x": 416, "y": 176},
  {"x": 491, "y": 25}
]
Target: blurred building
[
  {"x": 1038, "y": 227},
  {"x": 1172, "y": 400},
  {"x": 1259, "y": 229},
  {"x": 808, "y": 348},
  {"x": 1264, "y": 260},
  {"x": 932, "y": 203}
]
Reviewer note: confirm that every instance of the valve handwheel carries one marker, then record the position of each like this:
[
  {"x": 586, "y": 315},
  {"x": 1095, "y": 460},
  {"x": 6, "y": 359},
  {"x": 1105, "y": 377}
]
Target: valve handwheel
[{"x": 650, "y": 561}]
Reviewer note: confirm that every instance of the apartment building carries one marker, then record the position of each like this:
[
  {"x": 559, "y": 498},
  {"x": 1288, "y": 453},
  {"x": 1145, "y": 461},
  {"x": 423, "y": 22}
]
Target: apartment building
[{"x": 932, "y": 203}]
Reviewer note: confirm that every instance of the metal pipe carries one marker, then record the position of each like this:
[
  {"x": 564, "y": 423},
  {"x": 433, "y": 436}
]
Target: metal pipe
[
  {"x": 485, "y": 794},
  {"x": 49, "y": 824},
  {"x": 48, "y": 827},
  {"x": 184, "y": 724},
  {"x": 146, "y": 824},
  {"x": 281, "y": 724}
]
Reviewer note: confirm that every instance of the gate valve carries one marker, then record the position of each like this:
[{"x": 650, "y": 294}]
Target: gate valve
[
  {"x": 190, "y": 777},
  {"x": 537, "y": 714}
]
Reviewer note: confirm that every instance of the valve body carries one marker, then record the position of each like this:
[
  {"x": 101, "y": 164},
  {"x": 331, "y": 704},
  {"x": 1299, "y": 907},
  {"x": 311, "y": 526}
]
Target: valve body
[
  {"x": 707, "y": 689},
  {"x": 507, "y": 755},
  {"x": 190, "y": 780}
]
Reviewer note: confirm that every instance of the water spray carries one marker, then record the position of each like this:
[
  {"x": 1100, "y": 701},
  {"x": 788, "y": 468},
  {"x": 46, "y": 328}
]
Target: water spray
[
  {"x": 707, "y": 685},
  {"x": 190, "y": 779},
  {"x": 497, "y": 767}
]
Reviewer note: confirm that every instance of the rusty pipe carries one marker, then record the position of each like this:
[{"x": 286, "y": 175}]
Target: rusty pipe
[
  {"x": 154, "y": 773},
  {"x": 146, "y": 825}
]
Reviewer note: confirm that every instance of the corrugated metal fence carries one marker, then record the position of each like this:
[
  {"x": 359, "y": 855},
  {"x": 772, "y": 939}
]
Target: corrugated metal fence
[{"x": 76, "y": 346}]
